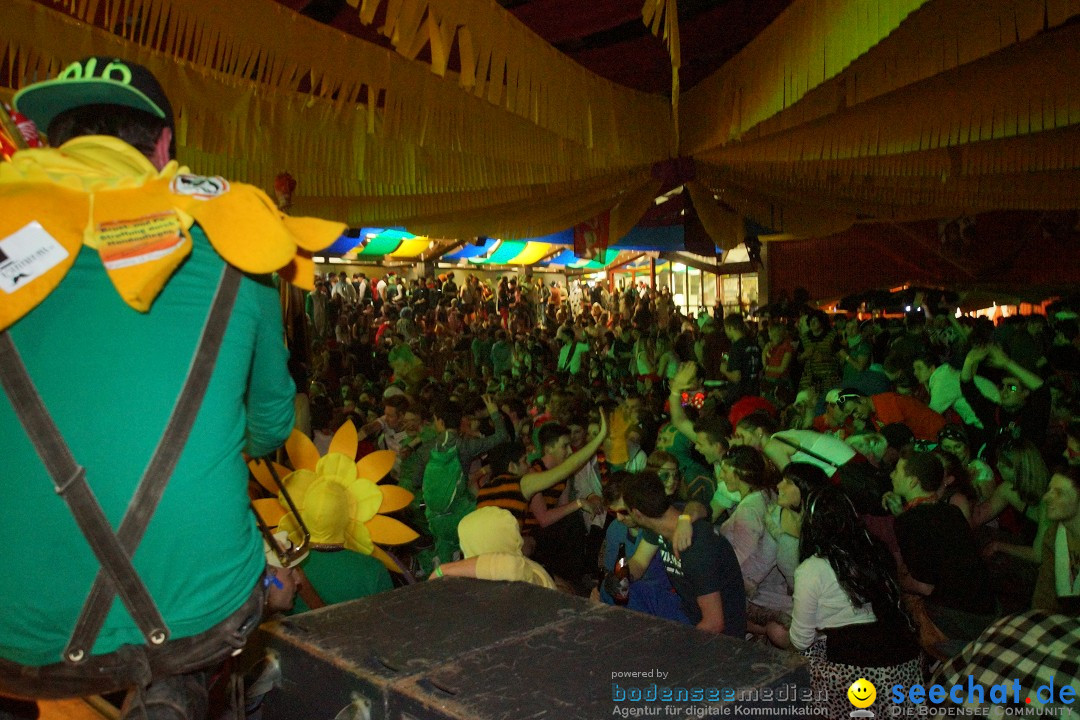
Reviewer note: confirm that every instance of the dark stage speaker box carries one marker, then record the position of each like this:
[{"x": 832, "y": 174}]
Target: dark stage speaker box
[{"x": 475, "y": 650}]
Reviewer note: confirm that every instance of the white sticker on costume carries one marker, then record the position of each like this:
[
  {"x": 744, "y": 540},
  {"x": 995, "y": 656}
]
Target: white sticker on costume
[
  {"x": 199, "y": 186},
  {"x": 26, "y": 254}
]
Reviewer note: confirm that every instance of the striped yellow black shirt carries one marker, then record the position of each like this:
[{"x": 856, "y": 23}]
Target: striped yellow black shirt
[{"x": 505, "y": 491}]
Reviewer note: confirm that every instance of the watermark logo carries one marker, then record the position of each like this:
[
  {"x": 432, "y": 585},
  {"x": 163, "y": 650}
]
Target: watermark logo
[{"x": 862, "y": 695}]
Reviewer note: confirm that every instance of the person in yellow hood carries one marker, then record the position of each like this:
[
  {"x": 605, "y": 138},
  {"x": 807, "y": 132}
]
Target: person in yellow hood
[
  {"x": 491, "y": 544},
  {"x": 139, "y": 355}
]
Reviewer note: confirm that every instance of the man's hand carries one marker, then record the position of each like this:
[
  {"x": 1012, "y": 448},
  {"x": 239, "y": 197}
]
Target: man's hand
[
  {"x": 684, "y": 534},
  {"x": 997, "y": 356},
  {"x": 685, "y": 377},
  {"x": 489, "y": 403},
  {"x": 892, "y": 502},
  {"x": 977, "y": 354},
  {"x": 594, "y": 504}
]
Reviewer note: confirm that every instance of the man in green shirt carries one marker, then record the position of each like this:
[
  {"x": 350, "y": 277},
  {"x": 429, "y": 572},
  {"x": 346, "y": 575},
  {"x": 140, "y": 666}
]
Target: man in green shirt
[{"x": 108, "y": 348}]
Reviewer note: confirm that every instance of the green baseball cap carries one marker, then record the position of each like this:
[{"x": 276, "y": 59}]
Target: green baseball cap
[{"x": 98, "y": 80}]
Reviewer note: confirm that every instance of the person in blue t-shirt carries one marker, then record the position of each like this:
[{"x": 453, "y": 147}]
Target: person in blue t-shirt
[
  {"x": 705, "y": 575},
  {"x": 651, "y": 593}
]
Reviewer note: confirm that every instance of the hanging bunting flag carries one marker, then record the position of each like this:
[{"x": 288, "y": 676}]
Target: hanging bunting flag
[
  {"x": 662, "y": 19},
  {"x": 591, "y": 236}
]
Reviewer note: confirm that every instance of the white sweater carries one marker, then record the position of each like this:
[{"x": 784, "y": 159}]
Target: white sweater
[{"x": 820, "y": 602}]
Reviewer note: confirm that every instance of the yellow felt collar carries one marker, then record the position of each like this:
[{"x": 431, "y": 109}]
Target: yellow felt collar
[
  {"x": 101, "y": 192},
  {"x": 90, "y": 164}
]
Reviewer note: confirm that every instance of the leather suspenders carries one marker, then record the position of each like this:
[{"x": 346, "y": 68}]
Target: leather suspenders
[{"x": 117, "y": 576}]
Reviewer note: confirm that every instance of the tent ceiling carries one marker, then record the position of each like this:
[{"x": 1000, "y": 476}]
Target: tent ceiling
[
  {"x": 465, "y": 118},
  {"x": 608, "y": 36}
]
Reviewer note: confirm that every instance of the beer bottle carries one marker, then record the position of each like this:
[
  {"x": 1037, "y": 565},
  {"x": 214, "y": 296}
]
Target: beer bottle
[{"x": 622, "y": 578}]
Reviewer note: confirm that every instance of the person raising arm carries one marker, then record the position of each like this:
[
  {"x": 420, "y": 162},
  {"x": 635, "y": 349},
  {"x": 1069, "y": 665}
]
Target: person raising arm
[{"x": 559, "y": 464}]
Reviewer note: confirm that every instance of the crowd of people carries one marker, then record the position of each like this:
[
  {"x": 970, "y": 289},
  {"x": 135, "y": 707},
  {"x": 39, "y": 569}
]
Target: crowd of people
[{"x": 872, "y": 493}]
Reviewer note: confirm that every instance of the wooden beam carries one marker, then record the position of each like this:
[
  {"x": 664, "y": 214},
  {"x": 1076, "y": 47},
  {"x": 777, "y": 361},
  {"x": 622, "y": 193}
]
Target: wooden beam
[
  {"x": 439, "y": 250},
  {"x": 624, "y": 263},
  {"x": 575, "y": 272},
  {"x": 718, "y": 269}
]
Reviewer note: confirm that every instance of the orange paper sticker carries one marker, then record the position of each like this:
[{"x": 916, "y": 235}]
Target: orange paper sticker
[{"x": 124, "y": 243}]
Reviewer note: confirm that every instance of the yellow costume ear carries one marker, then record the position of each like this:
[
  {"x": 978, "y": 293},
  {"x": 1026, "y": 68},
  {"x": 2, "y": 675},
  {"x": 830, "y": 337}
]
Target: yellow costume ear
[
  {"x": 336, "y": 467},
  {"x": 66, "y": 212},
  {"x": 236, "y": 216},
  {"x": 365, "y": 498},
  {"x": 358, "y": 539},
  {"x": 297, "y": 484},
  {"x": 313, "y": 234},
  {"x": 141, "y": 240}
]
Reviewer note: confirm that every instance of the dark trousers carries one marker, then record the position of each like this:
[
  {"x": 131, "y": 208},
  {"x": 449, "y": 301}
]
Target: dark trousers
[{"x": 560, "y": 548}]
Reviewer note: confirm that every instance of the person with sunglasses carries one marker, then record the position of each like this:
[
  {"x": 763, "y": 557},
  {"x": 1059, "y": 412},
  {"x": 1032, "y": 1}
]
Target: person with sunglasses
[
  {"x": 706, "y": 575},
  {"x": 870, "y": 413},
  {"x": 954, "y": 439},
  {"x": 1023, "y": 411},
  {"x": 651, "y": 593}
]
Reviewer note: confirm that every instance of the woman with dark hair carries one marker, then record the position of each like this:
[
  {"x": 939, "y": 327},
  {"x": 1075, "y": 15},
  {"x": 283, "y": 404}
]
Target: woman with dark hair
[
  {"x": 818, "y": 353},
  {"x": 797, "y": 483},
  {"x": 954, "y": 439},
  {"x": 504, "y": 299},
  {"x": 684, "y": 348},
  {"x": 847, "y": 616},
  {"x": 766, "y": 557}
]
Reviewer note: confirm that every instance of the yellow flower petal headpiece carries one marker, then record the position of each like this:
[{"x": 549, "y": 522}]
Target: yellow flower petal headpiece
[{"x": 339, "y": 500}]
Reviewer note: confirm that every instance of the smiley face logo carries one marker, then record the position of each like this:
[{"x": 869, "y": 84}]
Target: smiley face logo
[{"x": 862, "y": 693}]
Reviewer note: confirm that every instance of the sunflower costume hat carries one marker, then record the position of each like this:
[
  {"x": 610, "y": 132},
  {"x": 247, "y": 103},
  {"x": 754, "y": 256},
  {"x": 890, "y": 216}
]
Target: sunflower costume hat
[
  {"x": 340, "y": 501},
  {"x": 100, "y": 192}
]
